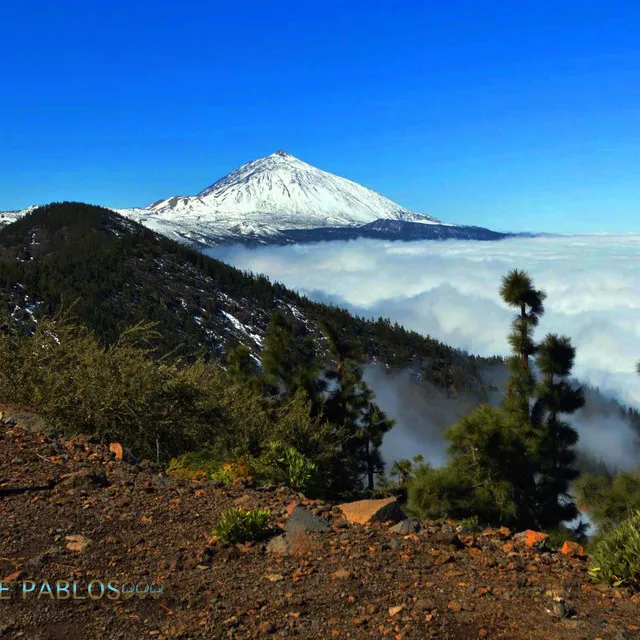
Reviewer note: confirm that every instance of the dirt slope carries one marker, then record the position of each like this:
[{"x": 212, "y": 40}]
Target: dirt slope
[{"x": 117, "y": 521}]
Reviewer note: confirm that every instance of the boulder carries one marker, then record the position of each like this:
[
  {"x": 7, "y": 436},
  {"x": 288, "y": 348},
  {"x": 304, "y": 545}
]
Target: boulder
[
  {"x": 406, "y": 527},
  {"x": 301, "y": 519},
  {"x": 84, "y": 478},
  {"x": 572, "y": 549},
  {"x": 533, "y": 539},
  {"x": 366, "y": 511},
  {"x": 25, "y": 419}
]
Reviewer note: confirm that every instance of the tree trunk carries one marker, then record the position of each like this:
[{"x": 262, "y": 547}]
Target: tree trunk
[
  {"x": 370, "y": 469},
  {"x": 525, "y": 355}
]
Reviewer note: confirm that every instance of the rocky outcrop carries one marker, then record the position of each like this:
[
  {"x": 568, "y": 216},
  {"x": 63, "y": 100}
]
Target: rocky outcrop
[{"x": 368, "y": 511}]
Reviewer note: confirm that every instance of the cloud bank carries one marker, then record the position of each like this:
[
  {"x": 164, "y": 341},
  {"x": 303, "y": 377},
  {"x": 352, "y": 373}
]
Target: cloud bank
[{"x": 449, "y": 290}]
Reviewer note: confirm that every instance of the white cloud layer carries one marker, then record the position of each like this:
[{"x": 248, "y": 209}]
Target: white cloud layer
[{"x": 449, "y": 290}]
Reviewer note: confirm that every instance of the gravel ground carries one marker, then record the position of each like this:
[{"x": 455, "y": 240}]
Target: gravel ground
[{"x": 130, "y": 524}]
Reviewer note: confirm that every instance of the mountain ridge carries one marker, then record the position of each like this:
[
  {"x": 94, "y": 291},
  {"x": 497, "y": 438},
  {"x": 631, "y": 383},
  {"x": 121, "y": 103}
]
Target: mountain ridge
[
  {"x": 280, "y": 199},
  {"x": 123, "y": 273}
]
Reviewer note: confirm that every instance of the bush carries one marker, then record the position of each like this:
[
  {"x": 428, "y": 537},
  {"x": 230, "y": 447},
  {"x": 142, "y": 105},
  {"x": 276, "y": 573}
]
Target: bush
[
  {"x": 126, "y": 393},
  {"x": 237, "y": 525},
  {"x": 471, "y": 525},
  {"x": 284, "y": 464},
  {"x": 119, "y": 393},
  {"x": 615, "y": 558},
  {"x": 438, "y": 493},
  {"x": 609, "y": 500},
  {"x": 206, "y": 465}
]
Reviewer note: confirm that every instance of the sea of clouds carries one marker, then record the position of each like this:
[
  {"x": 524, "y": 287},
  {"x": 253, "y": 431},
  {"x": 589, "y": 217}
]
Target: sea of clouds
[{"x": 450, "y": 291}]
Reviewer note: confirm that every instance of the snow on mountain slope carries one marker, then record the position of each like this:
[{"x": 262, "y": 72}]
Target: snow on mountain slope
[
  {"x": 279, "y": 199},
  {"x": 7, "y": 217},
  {"x": 282, "y": 192}
]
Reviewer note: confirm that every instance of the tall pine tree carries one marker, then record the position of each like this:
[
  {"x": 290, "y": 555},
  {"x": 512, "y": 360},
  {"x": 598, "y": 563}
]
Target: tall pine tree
[
  {"x": 514, "y": 464},
  {"x": 517, "y": 291},
  {"x": 556, "y": 396},
  {"x": 350, "y": 406}
]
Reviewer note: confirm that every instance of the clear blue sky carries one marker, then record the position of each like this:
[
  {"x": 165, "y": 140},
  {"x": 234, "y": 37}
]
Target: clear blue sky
[{"x": 520, "y": 115}]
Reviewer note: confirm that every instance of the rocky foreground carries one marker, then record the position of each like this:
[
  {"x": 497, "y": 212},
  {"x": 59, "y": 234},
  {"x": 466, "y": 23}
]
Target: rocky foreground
[{"x": 73, "y": 511}]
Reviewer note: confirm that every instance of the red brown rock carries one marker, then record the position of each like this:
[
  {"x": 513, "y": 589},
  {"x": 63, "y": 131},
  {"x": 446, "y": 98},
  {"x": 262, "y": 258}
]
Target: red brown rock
[
  {"x": 533, "y": 539},
  {"x": 116, "y": 449},
  {"x": 366, "y": 511},
  {"x": 291, "y": 506},
  {"x": 13, "y": 577},
  {"x": 572, "y": 549},
  {"x": 77, "y": 542},
  {"x": 536, "y": 538}
]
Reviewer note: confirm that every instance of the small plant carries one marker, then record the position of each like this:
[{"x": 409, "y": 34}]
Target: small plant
[
  {"x": 299, "y": 471},
  {"x": 471, "y": 525},
  {"x": 615, "y": 558},
  {"x": 402, "y": 471},
  {"x": 205, "y": 465},
  {"x": 192, "y": 466},
  {"x": 238, "y": 525},
  {"x": 286, "y": 464}
]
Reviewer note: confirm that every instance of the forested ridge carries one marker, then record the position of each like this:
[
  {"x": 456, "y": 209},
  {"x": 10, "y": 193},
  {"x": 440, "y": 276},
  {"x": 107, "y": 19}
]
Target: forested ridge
[{"x": 116, "y": 273}]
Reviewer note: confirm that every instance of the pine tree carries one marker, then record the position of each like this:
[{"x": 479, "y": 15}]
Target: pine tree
[
  {"x": 555, "y": 358},
  {"x": 240, "y": 364},
  {"x": 517, "y": 291},
  {"x": 375, "y": 424},
  {"x": 350, "y": 406},
  {"x": 514, "y": 464},
  {"x": 244, "y": 370},
  {"x": 290, "y": 361}
]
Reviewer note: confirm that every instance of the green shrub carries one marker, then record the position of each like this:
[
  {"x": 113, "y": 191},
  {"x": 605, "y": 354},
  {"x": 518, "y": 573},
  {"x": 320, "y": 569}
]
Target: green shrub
[
  {"x": 237, "y": 525},
  {"x": 282, "y": 463},
  {"x": 156, "y": 407},
  {"x": 118, "y": 393},
  {"x": 438, "y": 493},
  {"x": 471, "y": 525},
  {"x": 615, "y": 558},
  {"x": 609, "y": 500}
]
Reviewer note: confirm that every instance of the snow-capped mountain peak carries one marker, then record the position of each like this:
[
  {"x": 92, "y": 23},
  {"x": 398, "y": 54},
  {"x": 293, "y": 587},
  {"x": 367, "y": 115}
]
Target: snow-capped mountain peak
[
  {"x": 280, "y": 199},
  {"x": 284, "y": 192}
]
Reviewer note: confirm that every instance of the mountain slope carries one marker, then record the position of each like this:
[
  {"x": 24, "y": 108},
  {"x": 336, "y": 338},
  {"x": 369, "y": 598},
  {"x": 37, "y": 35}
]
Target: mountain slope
[
  {"x": 443, "y": 582},
  {"x": 122, "y": 273},
  {"x": 7, "y": 217}
]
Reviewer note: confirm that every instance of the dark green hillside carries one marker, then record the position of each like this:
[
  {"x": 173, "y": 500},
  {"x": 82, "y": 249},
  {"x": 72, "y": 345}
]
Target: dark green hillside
[{"x": 119, "y": 273}]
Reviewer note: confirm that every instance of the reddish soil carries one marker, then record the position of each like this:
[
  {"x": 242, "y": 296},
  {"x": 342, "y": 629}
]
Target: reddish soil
[{"x": 136, "y": 525}]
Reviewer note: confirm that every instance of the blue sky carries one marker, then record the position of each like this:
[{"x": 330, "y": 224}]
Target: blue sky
[{"x": 519, "y": 115}]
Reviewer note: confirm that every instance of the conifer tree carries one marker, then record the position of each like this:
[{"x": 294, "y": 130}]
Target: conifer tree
[
  {"x": 244, "y": 369},
  {"x": 375, "y": 424},
  {"x": 350, "y": 406},
  {"x": 517, "y": 291},
  {"x": 290, "y": 361},
  {"x": 514, "y": 464},
  {"x": 556, "y": 396},
  {"x": 240, "y": 364}
]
